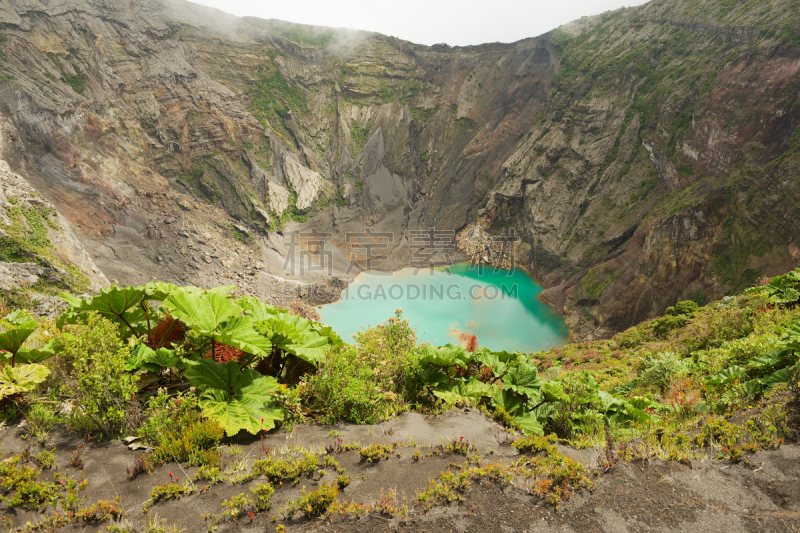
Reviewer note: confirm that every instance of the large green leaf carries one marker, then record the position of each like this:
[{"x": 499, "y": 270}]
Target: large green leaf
[
  {"x": 512, "y": 403},
  {"x": 140, "y": 359},
  {"x": 296, "y": 335},
  {"x": 791, "y": 340},
  {"x": 727, "y": 376},
  {"x": 238, "y": 399},
  {"x": 35, "y": 355},
  {"x": 444, "y": 356},
  {"x": 158, "y": 291},
  {"x": 145, "y": 358},
  {"x": 529, "y": 425},
  {"x": 19, "y": 317},
  {"x": 257, "y": 309},
  {"x": 553, "y": 392},
  {"x": 240, "y": 333},
  {"x": 12, "y": 339},
  {"x": 625, "y": 412},
  {"x": 454, "y": 392},
  {"x": 203, "y": 312},
  {"x": 499, "y": 365},
  {"x": 433, "y": 377},
  {"x": 523, "y": 379},
  {"x": 117, "y": 304},
  {"x": 22, "y": 378},
  {"x": 212, "y": 314},
  {"x": 777, "y": 378}
]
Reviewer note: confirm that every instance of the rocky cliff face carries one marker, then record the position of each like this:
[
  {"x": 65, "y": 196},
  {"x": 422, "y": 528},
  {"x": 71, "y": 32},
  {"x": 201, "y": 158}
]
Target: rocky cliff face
[{"x": 645, "y": 156}]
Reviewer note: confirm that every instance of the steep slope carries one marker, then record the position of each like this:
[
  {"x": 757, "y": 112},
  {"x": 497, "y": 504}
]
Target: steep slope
[
  {"x": 645, "y": 156},
  {"x": 674, "y": 127}
]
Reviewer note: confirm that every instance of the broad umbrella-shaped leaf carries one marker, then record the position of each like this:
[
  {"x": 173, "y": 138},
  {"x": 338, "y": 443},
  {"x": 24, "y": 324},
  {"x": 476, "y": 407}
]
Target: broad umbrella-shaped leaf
[
  {"x": 145, "y": 358},
  {"x": 529, "y": 425},
  {"x": 235, "y": 398},
  {"x": 445, "y": 356},
  {"x": 455, "y": 392},
  {"x": 36, "y": 355},
  {"x": 239, "y": 332},
  {"x": 776, "y": 378},
  {"x": 12, "y": 339},
  {"x": 140, "y": 360},
  {"x": 117, "y": 304},
  {"x": 552, "y": 392},
  {"x": 203, "y": 312},
  {"x": 523, "y": 380},
  {"x": 164, "y": 358},
  {"x": 158, "y": 291},
  {"x": 17, "y": 318},
  {"x": 727, "y": 376},
  {"x": 791, "y": 341},
  {"x": 23, "y": 378},
  {"x": 511, "y": 403},
  {"x": 212, "y": 314},
  {"x": 296, "y": 335},
  {"x": 499, "y": 366},
  {"x": 432, "y": 377},
  {"x": 257, "y": 309}
]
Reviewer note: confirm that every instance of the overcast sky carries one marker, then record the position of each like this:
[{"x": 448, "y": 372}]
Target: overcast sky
[{"x": 455, "y": 22}]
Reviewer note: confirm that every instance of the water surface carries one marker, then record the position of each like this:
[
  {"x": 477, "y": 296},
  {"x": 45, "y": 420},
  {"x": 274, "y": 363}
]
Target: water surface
[{"x": 499, "y": 306}]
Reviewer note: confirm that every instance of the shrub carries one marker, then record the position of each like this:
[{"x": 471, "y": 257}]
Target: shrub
[
  {"x": 369, "y": 381},
  {"x": 714, "y": 327},
  {"x": 346, "y": 388},
  {"x": 660, "y": 370},
  {"x": 389, "y": 349},
  {"x": 375, "y": 452},
  {"x": 103, "y": 387},
  {"x": 687, "y": 308},
  {"x": 314, "y": 503},
  {"x": 664, "y": 325}
]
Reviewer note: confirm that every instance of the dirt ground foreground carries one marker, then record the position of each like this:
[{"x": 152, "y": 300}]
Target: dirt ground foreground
[{"x": 761, "y": 493}]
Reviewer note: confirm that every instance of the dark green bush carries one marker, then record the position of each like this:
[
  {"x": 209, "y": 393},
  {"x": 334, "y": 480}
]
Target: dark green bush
[
  {"x": 687, "y": 308},
  {"x": 664, "y": 325}
]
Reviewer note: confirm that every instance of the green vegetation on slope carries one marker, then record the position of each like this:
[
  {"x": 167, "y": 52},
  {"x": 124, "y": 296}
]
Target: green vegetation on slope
[
  {"x": 254, "y": 366},
  {"x": 714, "y": 381}
]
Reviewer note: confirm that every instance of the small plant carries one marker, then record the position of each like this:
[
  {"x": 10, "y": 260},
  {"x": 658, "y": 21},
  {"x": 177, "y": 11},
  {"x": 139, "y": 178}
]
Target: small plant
[
  {"x": 41, "y": 419},
  {"x": 459, "y": 446},
  {"x": 536, "y": 444},
  {"x": 76, "y": 457},
  {"x": 342, "y": 481},
  {"x": 277, "y": 470},
  {"x": 46, "y": 458},
  {"x": 139, "y": 467},
  {"x": 314, "y": 503},
  {"x": 208, "y": 473},
  {"x": 416, "y": 455},
  {"x": 376, "y": 452},
  {"x": 168, "y": 491}
]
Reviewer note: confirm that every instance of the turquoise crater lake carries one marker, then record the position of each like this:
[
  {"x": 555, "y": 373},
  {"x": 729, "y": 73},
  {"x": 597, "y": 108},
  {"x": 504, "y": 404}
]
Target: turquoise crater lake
[{"x": 499, "y": 306}]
